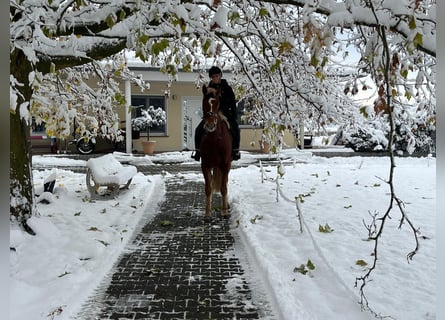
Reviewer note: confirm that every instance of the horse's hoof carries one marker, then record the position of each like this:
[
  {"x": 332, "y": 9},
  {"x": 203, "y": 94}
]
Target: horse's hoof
[
  {"x": 225, "y": 216},
  {"x": 207, "y": 218}
]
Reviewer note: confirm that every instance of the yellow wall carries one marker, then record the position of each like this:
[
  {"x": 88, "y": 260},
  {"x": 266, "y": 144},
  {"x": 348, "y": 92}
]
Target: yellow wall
[
  {"x": 250, "y": 139},
  {"x": 173, "y": 140}
]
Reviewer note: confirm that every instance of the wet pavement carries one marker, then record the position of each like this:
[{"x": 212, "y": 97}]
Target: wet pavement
[{"x": 178, "y": 266}]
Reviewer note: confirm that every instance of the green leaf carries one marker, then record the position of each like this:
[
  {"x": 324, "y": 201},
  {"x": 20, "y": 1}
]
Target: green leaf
[
  {"x": 364, "y": 112},
  {"x": 263, "y": 12},
  {"x": 254, "y": 219},
  {"x": 285, "y": 46},
  {"x": 93, "y": 229},
  {"x": 301, "y": 269},
  {"x": 159, "y": 46},
  {"x": 404, "y": 73},
  {"x": 325, "y": 229},
  {"x": 166, "y": 223},
  {"x": 361, "y": 263},
  {"x": 314, "y": 61},
  {"x": 276, "y": 65},
  {"x": 206, "y": 45},
  {"x": 349, "y": 206},
  {"x": 187, "y": 67},
  {"x": 119, "y": 98},
  {"x": 310, "y": 265},
  {"x": 77, "y": 214},
  {"x": 412, "y": 23},
  {"x": 143, "y": 38},
  {"x": 408, "y": 95},
  {"x": 110, "y": 20},
  {"x": 418, "y": 40},
  {"x": 324, "y": 61},
  {"x": 141, "y": 55},
  {"x": 234, "y": 16},
  {"x": 299, "y": 198},
  {"x": 198, "y": 234},
  {"x": 320, "y": 75},
  {"x": 154, "y": 270}
]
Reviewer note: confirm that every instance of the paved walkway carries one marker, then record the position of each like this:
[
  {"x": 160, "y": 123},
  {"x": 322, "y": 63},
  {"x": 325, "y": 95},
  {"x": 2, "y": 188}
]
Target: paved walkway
[{"x": 179, "y": 267}]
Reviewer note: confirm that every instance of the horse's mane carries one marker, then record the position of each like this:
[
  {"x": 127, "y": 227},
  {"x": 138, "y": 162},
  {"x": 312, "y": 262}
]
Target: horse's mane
[{"x": 211, "y": 91}]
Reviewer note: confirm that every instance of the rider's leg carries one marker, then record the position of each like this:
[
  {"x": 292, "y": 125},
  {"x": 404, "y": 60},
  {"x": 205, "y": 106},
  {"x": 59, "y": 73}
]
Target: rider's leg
[
  {"x": 198, "y": 135},
  {"x": 236, "y": 140}
]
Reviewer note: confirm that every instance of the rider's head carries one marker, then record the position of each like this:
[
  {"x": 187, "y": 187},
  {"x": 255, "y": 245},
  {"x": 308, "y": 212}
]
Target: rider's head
[{"x": 215, "y": 74}]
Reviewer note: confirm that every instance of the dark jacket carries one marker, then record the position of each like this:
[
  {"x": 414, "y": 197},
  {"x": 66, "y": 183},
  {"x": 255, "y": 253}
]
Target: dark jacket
[{"x": 227, "y": 102}]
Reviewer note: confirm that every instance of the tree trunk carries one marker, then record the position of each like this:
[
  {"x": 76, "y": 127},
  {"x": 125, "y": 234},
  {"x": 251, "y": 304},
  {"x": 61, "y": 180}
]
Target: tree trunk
[{"x": 21, "y": 189}]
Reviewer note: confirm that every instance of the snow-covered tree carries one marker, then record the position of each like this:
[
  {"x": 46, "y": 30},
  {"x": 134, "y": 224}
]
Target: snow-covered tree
[{"x": 285, "y": 51}]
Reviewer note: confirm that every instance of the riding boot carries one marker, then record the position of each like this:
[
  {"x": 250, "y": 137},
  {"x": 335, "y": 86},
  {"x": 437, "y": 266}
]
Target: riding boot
[
  {"x": 235, "y": 154},
  {"x": 236, "y": 140},
  {"x": 198, "y": 135},
  {"x": 196, "y": 155}
]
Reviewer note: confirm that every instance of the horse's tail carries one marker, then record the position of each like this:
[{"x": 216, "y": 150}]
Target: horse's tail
[{"x": 216, "y": 180}]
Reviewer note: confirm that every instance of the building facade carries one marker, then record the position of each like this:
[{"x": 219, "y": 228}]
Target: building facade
[{"x": 181, "y": 101}]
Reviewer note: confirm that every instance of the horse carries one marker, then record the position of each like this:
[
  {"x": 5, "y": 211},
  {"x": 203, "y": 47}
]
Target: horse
[{"x": 216, "y": 151}]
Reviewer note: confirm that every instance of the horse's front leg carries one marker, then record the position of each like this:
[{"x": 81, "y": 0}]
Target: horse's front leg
[
  {"x": 224, "y": 199},
  {"x": 208, "y": 192}
]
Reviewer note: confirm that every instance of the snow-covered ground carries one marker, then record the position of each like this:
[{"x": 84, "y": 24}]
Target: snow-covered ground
[{"x": 78, "y": 241}]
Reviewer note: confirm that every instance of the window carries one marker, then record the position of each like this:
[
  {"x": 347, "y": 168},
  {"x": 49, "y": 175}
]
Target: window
[
  {"x": 243, "y": 107},
  {"x": 143, "y": 102},
  {"x": 37, "y": 129}
]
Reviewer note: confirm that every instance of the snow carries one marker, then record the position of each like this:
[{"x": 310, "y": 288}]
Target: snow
[{"x": 78, "y": 241}]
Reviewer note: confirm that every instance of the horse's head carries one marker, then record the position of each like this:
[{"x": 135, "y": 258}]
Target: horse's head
[{"x": 210, "y": 107}]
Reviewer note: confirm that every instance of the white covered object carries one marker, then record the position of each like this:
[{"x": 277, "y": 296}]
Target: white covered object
[{"x": 107, "y": 170}]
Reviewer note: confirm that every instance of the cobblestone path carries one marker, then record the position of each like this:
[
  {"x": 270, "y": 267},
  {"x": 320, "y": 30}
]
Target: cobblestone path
[{"x": 178, "y": 267}]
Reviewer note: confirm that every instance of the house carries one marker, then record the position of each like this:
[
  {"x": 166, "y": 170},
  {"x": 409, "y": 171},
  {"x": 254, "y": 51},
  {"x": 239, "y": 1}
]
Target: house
[{"x": 182, "y": 103}]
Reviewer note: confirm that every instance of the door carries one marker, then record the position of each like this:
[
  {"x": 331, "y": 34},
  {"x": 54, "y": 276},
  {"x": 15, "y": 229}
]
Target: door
[{"x": 192, "y": 111}]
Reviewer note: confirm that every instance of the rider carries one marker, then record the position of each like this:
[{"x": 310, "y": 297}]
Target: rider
[{"x": 228, "y": 107}]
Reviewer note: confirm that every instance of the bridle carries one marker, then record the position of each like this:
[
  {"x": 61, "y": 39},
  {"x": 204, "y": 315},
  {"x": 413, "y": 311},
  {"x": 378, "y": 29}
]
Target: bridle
[{"x": 211, "y": 117}]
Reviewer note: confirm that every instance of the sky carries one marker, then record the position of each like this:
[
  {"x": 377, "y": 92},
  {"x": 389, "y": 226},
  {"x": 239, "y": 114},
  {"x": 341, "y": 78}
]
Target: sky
[{"x": 78, "y": 241}]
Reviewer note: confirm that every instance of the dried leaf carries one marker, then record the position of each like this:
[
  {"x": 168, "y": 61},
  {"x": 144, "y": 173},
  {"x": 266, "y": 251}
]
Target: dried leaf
[{"x": 361, "y": 263}]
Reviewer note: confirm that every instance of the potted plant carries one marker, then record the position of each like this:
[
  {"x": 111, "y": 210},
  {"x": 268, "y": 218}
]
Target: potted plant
[
  {"x": 149, "y": 117},
  {"x": 264, "y": 143}
]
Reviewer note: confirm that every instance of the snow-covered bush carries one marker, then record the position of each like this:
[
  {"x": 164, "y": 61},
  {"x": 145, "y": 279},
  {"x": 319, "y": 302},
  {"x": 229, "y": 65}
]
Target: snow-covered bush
[
  {"x": 149, "y": 118},
  {"x": 412, "y": 135}
]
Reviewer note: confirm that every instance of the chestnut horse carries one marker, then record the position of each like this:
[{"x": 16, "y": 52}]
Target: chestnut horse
[{"x": 216, "y": 151}]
